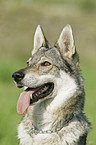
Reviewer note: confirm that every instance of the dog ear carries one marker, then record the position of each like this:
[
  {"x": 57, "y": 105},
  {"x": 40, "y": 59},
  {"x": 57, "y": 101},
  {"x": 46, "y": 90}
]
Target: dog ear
[
  {"x": 66, "y": 46},
  {"x": 39, "y": 39}
]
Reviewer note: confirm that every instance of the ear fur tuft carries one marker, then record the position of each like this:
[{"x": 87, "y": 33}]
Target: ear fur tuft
[
  {"x": 65, "y": 43},
  {"x": 39, "y": 39}
]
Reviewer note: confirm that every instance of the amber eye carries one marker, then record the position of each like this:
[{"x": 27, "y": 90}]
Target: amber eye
[{"x": 46, "y": 63}]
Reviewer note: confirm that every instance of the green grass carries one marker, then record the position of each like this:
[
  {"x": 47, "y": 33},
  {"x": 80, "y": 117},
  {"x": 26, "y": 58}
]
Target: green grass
[
  {"x": 18, "y": 21},
  {"x": 90, "y": 99}
]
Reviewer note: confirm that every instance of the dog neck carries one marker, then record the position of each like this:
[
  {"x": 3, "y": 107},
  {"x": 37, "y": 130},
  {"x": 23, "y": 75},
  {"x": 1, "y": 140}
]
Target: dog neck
[{"x": 57, "y": 129}]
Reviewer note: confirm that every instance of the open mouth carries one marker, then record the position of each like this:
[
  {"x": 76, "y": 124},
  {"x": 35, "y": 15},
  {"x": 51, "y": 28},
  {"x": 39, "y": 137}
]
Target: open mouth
[
  {"x": 32, "y": 95},
  {"x": 41, "y": 92}
]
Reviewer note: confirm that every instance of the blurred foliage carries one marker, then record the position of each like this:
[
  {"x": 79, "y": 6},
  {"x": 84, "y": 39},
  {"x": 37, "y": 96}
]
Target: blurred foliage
[{"x": 18, "y": 21}]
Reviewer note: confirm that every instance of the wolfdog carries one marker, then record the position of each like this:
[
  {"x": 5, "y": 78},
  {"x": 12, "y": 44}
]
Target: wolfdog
[{"x": 53, "y": 95}]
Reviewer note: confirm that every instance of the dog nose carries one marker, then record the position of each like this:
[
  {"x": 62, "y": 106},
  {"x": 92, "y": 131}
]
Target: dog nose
[{"x": 18, "y": 76}]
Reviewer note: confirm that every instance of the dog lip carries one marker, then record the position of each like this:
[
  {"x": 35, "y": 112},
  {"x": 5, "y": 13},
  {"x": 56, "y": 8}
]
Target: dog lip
[
  {"x": 37, "y": 87},
  {"x": 20, "y": 86}
]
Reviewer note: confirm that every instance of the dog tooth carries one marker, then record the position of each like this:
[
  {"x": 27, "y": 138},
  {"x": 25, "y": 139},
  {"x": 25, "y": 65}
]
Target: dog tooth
[
  {"x": 31, "y": 96},
  {"x": 25, "y": 88}
]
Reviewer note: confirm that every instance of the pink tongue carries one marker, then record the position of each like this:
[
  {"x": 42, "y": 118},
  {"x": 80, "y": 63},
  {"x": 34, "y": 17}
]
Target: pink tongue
[{"x": 24, "y": 101}]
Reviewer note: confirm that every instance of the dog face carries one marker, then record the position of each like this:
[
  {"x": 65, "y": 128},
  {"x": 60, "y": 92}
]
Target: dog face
[{"x": 49, "y": 68}]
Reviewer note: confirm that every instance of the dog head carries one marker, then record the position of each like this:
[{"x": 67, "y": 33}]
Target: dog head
[{"x": 43, "y": 75}]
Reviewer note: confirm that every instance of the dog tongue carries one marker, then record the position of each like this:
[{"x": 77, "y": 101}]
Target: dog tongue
[{"x": 24, "y": 101}]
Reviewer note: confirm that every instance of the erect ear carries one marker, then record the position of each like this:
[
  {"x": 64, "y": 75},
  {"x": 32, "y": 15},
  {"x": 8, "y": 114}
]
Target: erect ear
[
  {"x": 39, "y": 40},
  {"x": 66, "y": 46}
]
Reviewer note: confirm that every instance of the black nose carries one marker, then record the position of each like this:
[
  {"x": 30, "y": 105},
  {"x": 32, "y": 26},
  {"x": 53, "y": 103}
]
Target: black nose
[{"x": 18, "y": 76}]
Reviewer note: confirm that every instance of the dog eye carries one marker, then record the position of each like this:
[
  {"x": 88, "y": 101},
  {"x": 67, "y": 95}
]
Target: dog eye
[{"x": 46, "y": 63}]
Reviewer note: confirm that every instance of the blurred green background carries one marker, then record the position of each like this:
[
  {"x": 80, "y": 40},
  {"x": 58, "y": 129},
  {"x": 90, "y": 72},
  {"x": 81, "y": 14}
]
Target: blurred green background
[{"x": 18, "y": 21}]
